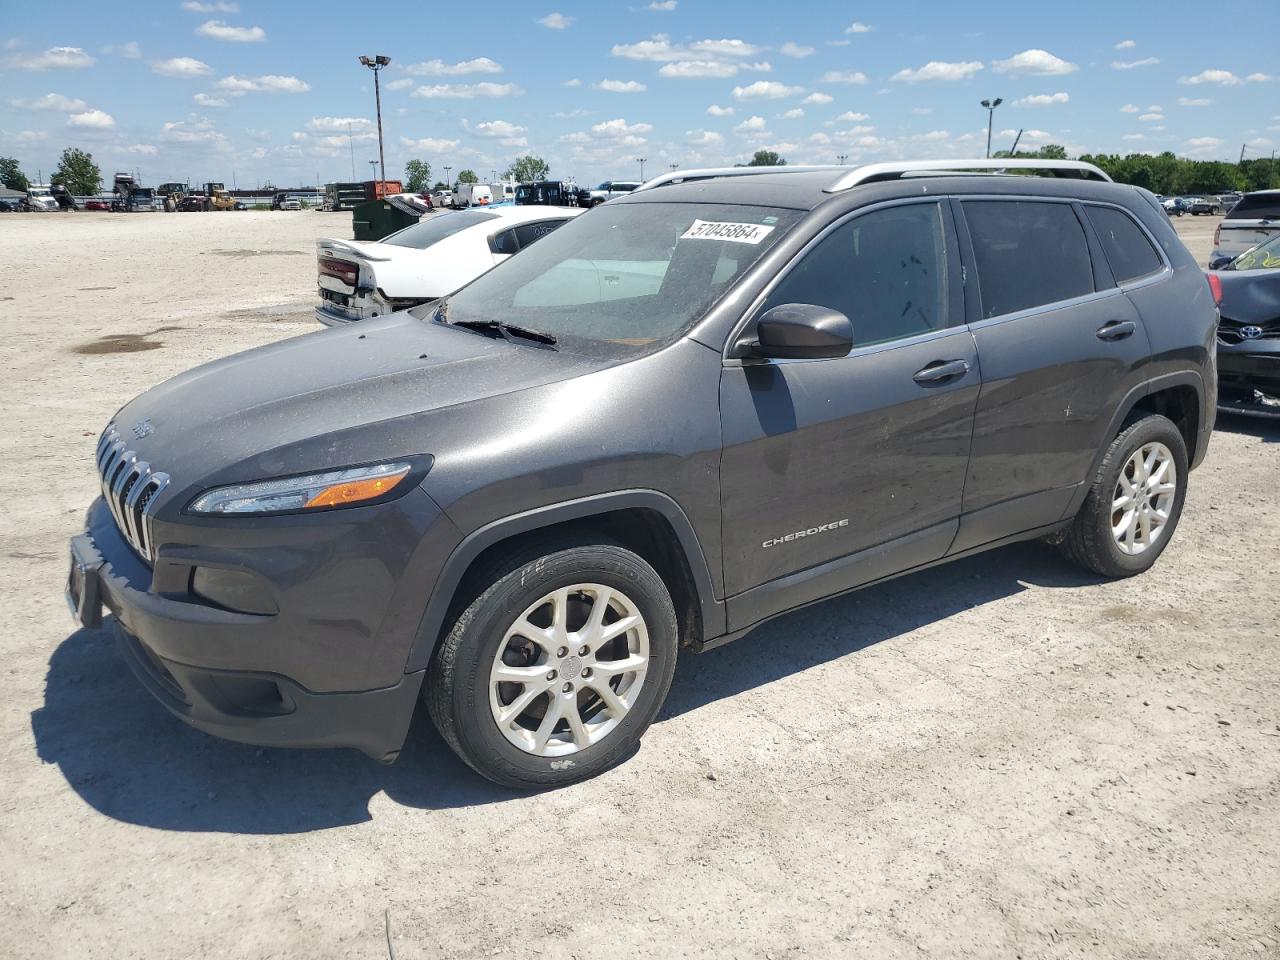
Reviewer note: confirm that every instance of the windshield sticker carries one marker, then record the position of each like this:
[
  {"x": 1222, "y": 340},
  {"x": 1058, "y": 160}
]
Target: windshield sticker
[{"x": 728, "y": 232}]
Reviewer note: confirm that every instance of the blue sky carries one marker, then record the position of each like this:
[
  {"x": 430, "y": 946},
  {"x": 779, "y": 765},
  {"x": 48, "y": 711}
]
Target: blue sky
[{"x": 257, "y": 89}]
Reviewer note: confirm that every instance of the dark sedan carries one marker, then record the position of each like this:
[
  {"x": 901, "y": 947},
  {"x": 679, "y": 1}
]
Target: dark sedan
[{"x": 1249, "y": 331}]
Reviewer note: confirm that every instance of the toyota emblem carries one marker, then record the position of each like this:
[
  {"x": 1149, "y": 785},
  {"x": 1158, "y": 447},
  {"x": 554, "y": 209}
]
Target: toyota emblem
[{"x": 1250, "y": 333}]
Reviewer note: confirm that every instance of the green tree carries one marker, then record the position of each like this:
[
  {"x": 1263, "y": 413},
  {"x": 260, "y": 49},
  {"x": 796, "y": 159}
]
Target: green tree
[
  {"x": 440, "y": 185},
  {"x": 766, "y": 158},
  {"x": 417, "y": 174},
  {"x": 78, "y": 173},
  {"x": 467, "y": 176},
  {"x": 11, "y": 175},
  {"x": 527, "y": 169}
]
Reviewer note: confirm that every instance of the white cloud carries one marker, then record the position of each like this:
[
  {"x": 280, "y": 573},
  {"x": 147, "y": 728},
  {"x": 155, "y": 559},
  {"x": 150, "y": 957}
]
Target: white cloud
[
  {"x": 204, "y": 100},
  {"x": 268, "y": 83},
  {"x": 130, "y": 50},
  {"x": 1125, "y": 45},
  {"x": 91, "y": 120},
  {"x": 438, "y": 68},
  {"x": 338, "y": 124},
  {"x": 55, "y": 58},
  {"x": 1041, "y": 100},
  {"x": 716, "y": 110},
  {"x": 507, "y": 134},
  {"x": 53, "y": 102},
  {"x": 555, "y": 21},
  {"x": 819, "y": 139},
  {"x": 1131, "y": 64},
  {"x": 790, "y": 49},
  {"x": 1224, "y": 78},
  {"x": 619, "y": 128},
  {"x": 1259, "y": 78},
  {"x": 621, "y": 86},
  {"x": 663, "y": 5},
  {"x": 1036, "y": 62},
  {"x": 194, "y": 6},
  {"x": 467, "y": 91},
  {"x": 818, "y": 98},
  {"x": 575, "y": 82},
  {"x": 850, "y": 117},
  {"x": 1203, "y": 144},
  {"x": 751, "y": 125},
  {"x": 1130, "y": 108},
  {"x": 940, "y": 70},
  {"x": 30, "y": 136},
  {"x": 193, "y": 130},
  {"x": 1151, "y": 117},
  {"x": 145, "y": 149},
  {"x": 1134, "y": 136},
  {"x": 428, "y": 144},
  {"x": 698, "y": 69},
  {"x": 185, "y": 68},
  {"x": 844, "y": 76},
  {"x": 221, "y": 30},
  {"x": 922, "y": 111},
  {"x": 795, "y": 113},
  {"x": 660, "y": 49},
  {"x": 1194, "y": 101},
  {"x": 765, "y": 90},
  {"x": 857, "y": 27},
  {"x": 401, "y": 83},
  {"x": 703, "y": 138}
]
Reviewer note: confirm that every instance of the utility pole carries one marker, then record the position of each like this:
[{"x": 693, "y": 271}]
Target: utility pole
[
  {"x": 1014, "y": 151},
  {"x": 641, "y": 160},
  {"x": 1242, "y": 146},
  {"x": 447, "y": 182},
  {"x": 373, "y": 171},
  {"x": 991, "y": 110},
  {"x": 376, "y": 64}
]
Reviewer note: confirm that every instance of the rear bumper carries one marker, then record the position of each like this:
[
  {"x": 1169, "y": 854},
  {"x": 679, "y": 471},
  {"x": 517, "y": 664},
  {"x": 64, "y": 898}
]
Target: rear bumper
[{"x": 334, "y": 316}]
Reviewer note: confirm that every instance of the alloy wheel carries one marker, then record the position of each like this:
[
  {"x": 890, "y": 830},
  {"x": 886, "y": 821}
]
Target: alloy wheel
[{"x": 1143, "y": 499}]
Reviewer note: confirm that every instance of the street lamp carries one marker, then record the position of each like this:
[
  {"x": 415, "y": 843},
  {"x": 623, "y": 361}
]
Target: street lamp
[
  {"x": 375, "y": 64},
  {"x": 373, "y": 168},
  {"x": 991, "y": 110},
  {"x": 641, "y": 160},
  {"x": 447, "y": 182},
  {"x": 842, "y": 157},
  {"x": 673, "y": 166}
]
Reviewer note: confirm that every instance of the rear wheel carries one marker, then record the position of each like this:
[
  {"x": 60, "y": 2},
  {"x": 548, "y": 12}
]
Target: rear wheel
[
  {"x": 557, "y": 667},
  {"x": 1134, "y": 502}
]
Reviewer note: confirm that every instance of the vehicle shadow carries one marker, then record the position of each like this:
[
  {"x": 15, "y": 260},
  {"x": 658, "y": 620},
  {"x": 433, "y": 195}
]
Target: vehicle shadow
[
  {"x": 1264, "y": 428},
  {"x": 131, "y": 760}
]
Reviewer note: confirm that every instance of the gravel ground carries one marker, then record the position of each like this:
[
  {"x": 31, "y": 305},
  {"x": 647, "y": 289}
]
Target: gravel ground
[{"x": 1001, "y": 757}]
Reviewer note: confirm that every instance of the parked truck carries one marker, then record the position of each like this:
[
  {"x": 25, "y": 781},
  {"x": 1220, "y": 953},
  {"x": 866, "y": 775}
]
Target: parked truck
[
  {"x": 347, "y": 196},
  {"x": 217, "y": 197}
]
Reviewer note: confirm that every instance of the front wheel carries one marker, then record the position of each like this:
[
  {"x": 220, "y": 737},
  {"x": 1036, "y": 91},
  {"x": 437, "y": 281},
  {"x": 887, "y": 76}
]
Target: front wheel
[
  {"x": 557, "y": 667},
  {"x": 1134, "y": 503}
]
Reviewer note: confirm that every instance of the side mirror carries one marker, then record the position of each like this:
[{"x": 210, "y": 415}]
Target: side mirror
[
  {"x": 801, "y": 331},
  {"x": 1218, "y": 263}
]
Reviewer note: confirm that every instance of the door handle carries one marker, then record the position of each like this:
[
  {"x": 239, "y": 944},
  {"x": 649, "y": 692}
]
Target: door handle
[
  {"x": 1117, "y": 330},
  {"x": 941, "y": 370}
]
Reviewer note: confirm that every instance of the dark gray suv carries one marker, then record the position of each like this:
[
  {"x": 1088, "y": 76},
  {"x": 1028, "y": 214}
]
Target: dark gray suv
[{"x": 724, "y": 396}]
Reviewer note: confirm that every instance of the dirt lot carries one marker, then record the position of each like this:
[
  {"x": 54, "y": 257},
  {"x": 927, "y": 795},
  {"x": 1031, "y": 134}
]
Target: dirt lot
[{"x": 1001, "y": 757}]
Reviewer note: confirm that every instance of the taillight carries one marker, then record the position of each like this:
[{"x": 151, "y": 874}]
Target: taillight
[
  {"x": 1215, "y": 288},
  {"x": 1217, "y": 234},
  {"x": 343, "y": 270}
]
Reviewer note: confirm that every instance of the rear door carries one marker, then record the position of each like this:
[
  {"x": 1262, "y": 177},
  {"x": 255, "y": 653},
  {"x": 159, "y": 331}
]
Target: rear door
[
  {"x": 861, "y": 457},
  {"x": 1060, "y": 347}
]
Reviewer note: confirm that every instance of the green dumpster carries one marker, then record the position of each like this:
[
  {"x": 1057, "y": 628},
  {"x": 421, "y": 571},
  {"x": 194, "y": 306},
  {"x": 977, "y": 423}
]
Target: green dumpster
[{"x": 376, "y": 219}]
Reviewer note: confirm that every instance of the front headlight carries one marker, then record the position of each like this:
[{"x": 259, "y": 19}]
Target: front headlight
[{"x": 315, "y": 491}]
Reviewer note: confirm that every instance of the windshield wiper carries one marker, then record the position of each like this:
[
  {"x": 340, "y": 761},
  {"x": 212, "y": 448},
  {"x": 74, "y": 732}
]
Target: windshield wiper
[{"x": 507, "y": 330}]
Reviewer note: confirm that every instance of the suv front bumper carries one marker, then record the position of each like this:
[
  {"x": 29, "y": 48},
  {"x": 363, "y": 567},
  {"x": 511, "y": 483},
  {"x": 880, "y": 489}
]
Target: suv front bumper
[
  {"x": 158, "y": 634},
  {"x": 1249, "y": 377}
]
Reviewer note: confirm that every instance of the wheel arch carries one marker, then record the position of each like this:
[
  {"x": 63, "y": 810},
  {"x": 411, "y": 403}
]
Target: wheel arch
[{"x": 645, "y": 521}]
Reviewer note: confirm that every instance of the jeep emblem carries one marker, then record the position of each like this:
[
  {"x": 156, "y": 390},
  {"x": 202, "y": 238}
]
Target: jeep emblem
[{"x": 143, "y": 428}]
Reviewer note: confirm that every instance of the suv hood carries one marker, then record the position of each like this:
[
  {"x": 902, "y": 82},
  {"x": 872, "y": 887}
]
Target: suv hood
[
  {"x": 1250, "y": 296},
  {"x": 327, "y": 399}
]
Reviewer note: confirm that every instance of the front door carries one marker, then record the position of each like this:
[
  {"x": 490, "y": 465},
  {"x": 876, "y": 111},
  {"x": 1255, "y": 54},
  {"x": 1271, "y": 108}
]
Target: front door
[{"x": 836, "y": 472}]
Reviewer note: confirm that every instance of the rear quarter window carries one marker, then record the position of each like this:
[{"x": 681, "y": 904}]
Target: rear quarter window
[
  {"x": 1126, "y": 246},
  {"x": 1029, "y": 253},
  {"x": 1256, "y": 207}
]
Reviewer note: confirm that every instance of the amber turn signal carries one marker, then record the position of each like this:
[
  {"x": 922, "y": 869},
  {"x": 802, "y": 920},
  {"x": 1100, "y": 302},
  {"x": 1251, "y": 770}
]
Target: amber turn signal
[{"x": 356, "y": 491}]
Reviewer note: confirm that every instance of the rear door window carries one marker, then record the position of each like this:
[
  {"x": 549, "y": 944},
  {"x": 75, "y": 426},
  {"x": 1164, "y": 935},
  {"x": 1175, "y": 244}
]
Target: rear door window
[
  {"x": 1127, "y": 248},
  {"x": 1029, "y": 253},
  {"x": 1258, "y": 206}
]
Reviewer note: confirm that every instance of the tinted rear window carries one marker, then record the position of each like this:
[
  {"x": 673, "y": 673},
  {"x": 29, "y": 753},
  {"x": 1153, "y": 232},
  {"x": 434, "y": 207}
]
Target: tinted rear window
[
  {"x": 423, "y": 234},
  {"x": 1127, "y": 248},
  {"x": 1029, "y": 253},
  {"x": 1264, "y": 206}
]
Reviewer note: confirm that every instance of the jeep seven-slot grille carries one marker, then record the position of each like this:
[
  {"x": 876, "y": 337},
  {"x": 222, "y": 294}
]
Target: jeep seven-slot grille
[{"x": 130, "y": 487}]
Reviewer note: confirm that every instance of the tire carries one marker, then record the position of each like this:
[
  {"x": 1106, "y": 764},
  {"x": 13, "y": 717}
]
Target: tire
[
  {"x": 1096, "y": 539},
  {"x": 468, "y": 705}
]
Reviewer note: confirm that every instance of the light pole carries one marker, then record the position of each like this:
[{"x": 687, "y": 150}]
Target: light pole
[
  {"x": 376, "y": 64},
  {"x": 672, "y": 167},
  {"x": 447, "y": 182},
  {"x": 842, "y": 157},
  {"x": 991, "y": 110},
  {"x": 373, "y": 172},
  {"x": 641, "y": 160}
]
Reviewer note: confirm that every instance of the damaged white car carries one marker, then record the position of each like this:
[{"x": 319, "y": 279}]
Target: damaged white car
[{"x": 425, "y": 261}]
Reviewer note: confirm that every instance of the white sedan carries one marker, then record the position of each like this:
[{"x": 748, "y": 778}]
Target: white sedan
[{"x": 425, "y": 261}]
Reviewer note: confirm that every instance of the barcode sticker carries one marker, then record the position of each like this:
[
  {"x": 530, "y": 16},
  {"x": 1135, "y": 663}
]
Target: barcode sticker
[{"x": 728, "y": 232}]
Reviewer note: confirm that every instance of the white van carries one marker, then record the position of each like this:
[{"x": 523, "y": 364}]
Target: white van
[
  {"x": 504, "y": 191},
  {"x": 472, "y": 195}
]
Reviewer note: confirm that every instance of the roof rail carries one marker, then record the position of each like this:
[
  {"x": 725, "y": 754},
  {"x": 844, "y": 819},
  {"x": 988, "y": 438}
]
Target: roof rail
[
  {"x": 873, "y": 172},
  {"x": 714, "y": 173}
]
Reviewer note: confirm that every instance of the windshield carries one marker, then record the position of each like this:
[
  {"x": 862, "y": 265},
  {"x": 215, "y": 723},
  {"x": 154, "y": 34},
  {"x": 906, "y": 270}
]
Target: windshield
[
  {"x": 1265, "y": 256},
  {"x": 423, "y": 234},
  {"x": 625, "y": 275}
]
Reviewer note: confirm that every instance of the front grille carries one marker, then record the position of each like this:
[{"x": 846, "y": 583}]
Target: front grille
[
  {"x": 1229, "y": 331},
  {"x": 130, "y": 487}
]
